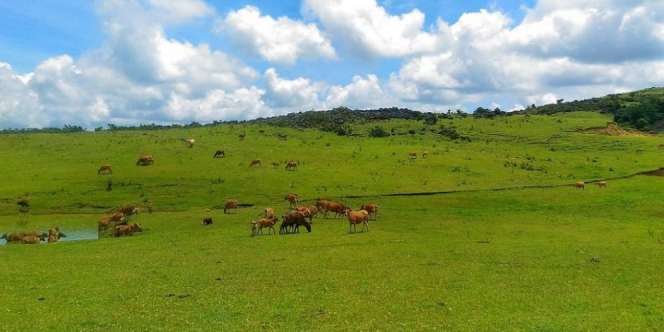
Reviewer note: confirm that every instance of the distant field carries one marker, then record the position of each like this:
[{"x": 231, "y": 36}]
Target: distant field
[{"x": 548, "y": 259}]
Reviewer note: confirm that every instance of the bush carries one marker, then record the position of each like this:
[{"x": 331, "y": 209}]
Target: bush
[{"x": 378, "y": 132}]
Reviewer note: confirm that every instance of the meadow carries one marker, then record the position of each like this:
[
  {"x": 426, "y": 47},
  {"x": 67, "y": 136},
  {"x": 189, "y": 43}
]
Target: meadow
[{"x": 507, "y": 244}]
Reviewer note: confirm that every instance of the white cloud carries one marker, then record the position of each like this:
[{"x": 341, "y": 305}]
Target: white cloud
[
  {"x": 19, "y": 106},
  {"x": 280, "y": 40},
  {"x": 298, "y": 93},
  {"x": 362, "y": 92},
  {"x": 366, "y": 27}
]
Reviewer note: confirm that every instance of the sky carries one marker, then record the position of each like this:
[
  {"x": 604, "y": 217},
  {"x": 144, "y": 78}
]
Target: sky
[{"x": 91, "y": 63}]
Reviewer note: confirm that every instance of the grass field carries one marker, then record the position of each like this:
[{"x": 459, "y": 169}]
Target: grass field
[{"x": 545, "y": 259}]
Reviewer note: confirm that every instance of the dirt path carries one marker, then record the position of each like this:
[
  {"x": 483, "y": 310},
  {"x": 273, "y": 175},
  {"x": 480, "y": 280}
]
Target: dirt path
[{"x": 657, "y": 172}]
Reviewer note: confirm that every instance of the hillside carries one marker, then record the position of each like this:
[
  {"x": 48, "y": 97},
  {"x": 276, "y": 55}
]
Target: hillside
[
  {"x": 643, "y": 110},
  {"x": 485, "y": 231}
]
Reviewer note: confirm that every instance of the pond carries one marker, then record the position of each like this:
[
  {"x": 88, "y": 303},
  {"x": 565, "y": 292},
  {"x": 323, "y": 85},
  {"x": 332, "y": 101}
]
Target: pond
[{"x": 72, "y": 235}]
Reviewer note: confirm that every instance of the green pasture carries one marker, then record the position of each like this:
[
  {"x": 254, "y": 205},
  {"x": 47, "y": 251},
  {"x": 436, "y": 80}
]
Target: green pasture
[{"x": 474, "y": 259}]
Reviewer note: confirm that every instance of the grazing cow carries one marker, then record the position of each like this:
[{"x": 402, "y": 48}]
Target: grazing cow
[
  {"x": 357, "y": 217},
  {"x": 293, "y": 199},
  {"x": 602, "y": 184},
  {"x": 258, "y": 225},
  {"x": 117, "y": 217},
  {"x": 372, "y": 209},
  {"x": 105, "y": 170},
  {"x": 256, "y": 163},
  {"x": 322, "y": 204},
  {"x": 190, "y": 142},
  {"x": 207, "y": 221},
  {"x": 220, "y": 154},
  {"x": 412, "y": 155},
  {"x": 291, "y": 165},
  {"x": 54, "y": 235},
  {"x": 580, "y": 185},
  {"x": 230, "y": 204},
  {"x": 275, "y": 164},
  {"x": 338, "y": 209},
  {"x": 292, "y": 221},
  {"x": 126, "y": 230},
  {"x": 145, "y": 161}
]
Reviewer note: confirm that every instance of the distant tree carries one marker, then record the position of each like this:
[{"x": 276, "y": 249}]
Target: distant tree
[{"x": 378, "y": 132}]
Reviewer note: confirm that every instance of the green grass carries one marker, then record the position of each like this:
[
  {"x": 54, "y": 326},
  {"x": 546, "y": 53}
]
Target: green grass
[{"x": 555, "y": 259}]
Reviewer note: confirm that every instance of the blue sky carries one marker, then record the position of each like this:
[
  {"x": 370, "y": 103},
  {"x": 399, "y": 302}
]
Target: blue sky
[
  {"x": 32, "y": 31},
  {"x": 134, "y": 61}
]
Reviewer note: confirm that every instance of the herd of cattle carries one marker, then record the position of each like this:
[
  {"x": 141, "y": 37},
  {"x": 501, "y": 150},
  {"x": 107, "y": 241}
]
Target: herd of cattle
[
  {"x": 33, "y": 237},
  {"x": 302, "y": 215},
  {"x": 116, "y": 222}
]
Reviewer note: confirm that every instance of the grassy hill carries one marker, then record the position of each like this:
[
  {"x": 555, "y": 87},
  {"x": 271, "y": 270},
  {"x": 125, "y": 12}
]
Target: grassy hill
[
  {"x": 642, "y": 109},
  {"x": 507, "y": 244}
]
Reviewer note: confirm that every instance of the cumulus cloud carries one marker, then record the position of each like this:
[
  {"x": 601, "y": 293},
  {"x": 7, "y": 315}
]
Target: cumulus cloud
[
  {"x": 365, "y": 26},
  {"x": 297, "y": 93},
  {"x": 280, "y": 40}
]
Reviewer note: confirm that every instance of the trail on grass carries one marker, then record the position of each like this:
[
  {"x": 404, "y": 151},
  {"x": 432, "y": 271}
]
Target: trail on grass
[{"x": 657, "y": 172}]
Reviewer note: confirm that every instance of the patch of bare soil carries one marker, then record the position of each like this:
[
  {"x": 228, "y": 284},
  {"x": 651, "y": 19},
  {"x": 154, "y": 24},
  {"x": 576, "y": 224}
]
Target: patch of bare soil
[{"x": 613, "y": 129}]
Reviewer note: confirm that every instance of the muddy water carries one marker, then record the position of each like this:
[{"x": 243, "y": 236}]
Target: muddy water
[{"x": 73, "y": 235}]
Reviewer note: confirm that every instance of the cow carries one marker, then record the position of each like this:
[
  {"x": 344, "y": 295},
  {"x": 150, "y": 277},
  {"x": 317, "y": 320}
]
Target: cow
[
  {"x": 189, "y": 141},
  {"x": 145, "y": 161},
  {"x": 128, "y": 210},
  {"x": 338, "y": 209},
  {"x": 219, "y": 154},
  {"x": 425, "y": 154},
  {"x": 580, "y": 185},
  {"x": 54, "y": 235},
  {"x": 230, "y": 204},
  {"x": 293, "y": 199},
  {"x": 117, "y": 217},
  {"x": 256, "y": 163},
  {"x": 126, "y": 230},
  {"x": 20, "y": 237},
  {"x": 292, "y": 221},
  {"x": 372, "y": 209},
  {"x": 258, "y": 225},
  {"x": 602, "y": 184},
  {"x": 207, "y": 221},
  {"x": 357, "y": 217},
  {"x": 412, "y": 155},
  {"x": 105, "y": 170},
  {"x": 291, "y": 165}
]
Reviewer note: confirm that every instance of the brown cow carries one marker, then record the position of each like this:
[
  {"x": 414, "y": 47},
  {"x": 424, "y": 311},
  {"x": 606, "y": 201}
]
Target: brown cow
[
  {"x": 126, "y": 230},
  {"x": 230, "y": 204},
  {"x": 372, "y": 209},
  {"x": 293, "y": 199},
  {"x": 357, "y": 217},
  {"x": 338, "y": 209},
  {"x": 117, "y": 217},
  {"x": 412, "y": 155},
  {"x": 256, "y": 163},
  {"x": 292, "y": 221},
  {"x": 105, "y": 170},
  {"x": 602, "y": 184},
  {"x": 54, "y": 235},
  {"x": 145, "y": 161},
  {"x": 291, "y": 165},
  {"x": 24, "y": 237},
  {"x": 128, "y": 210},
  {"x": 580, "y": 185},
  {"x": 258, "y": 225}
]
